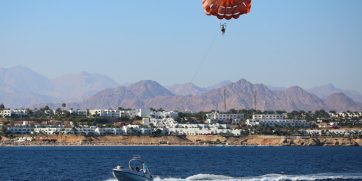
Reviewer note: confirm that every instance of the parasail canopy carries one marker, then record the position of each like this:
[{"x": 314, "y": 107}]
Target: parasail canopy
[{"x": 226, "y": 9}]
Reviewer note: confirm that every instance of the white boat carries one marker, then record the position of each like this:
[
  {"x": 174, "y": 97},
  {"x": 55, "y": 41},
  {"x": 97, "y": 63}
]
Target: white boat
[{"x": 137, "y": 171}]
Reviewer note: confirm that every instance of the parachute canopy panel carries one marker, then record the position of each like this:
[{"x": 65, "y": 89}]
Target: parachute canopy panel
[{"x": 226, "y": 9}]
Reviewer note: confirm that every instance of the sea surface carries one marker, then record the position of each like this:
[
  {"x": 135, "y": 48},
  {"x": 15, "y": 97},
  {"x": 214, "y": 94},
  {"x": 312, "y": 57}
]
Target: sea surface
[{"x": 183, "y": 163}]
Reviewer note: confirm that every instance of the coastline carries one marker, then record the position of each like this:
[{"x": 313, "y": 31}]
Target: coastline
[{"x": 167, "y": 141}]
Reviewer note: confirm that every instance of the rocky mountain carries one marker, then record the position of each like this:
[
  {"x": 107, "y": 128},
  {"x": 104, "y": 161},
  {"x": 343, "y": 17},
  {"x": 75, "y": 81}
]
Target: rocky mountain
[
  {"x": 23, "y": 79},
  {"x": 276, "y": 88},
  {"x": 296, "y": 98},
  {"x": 132, "y": 96},
  {"x": 237, "y": 95},
  {"x": 341, "y": 102},
  {"x": 12, "y": 98},
  {"x": 146, "y": 89},
  {"x": 186, "y": 89},
  {"x": 219, "y": 85},
  {"x": 22, "y": 87},
  {"x": 329, "y": 89}
]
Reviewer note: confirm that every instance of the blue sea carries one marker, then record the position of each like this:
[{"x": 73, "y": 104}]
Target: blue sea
[{"x": 183, "y": 163}]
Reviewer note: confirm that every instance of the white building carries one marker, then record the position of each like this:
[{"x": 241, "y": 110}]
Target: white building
[
  {"x": 224, "y": 118},
  {"x": 48, "y": 130},
  {"x": 106, "y": 113},
  {"x": 346, "y": 115},
  {"x": 19, "y": 130},
  {"x": 12, "y": 112},
  {"x": 136, "y": 129},
  {"x": 5, "y": 113},
  {"x": 79, "y": 113},
  {"x": 109, "y": 131},
  {"x": 144, "y": 113},
  {"x": 146, "y": 121},
  {"x": 201, "y": 129},
  {"x": 278, "y": 122},
  {"x": 159, "y": 123},
  {"x": 164, "y": 114},
  {"x": 268, "y": 116}
]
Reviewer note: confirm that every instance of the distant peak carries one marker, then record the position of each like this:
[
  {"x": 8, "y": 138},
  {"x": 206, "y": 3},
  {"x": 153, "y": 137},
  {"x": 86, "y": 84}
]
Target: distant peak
[
  {"x": 295, "y": 87},
  {"x": 190, "y": 83},
  {"x": 243, "y": 81},
  {"x": 330, "y": 85},
  {"x": 19, "y": 67},
  {"x": 338, "y": 94},
  {"x": 147, "y": 82},
  {"x": 84, "y": 73}
]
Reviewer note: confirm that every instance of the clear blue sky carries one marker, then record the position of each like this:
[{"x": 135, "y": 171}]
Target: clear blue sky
[{"x": 281, "y": 42}]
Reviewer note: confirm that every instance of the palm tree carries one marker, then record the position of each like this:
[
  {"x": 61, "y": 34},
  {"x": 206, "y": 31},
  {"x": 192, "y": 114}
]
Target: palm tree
[
  {"x": 64, "y": 105},
  {"x": 2, "y": 107}
]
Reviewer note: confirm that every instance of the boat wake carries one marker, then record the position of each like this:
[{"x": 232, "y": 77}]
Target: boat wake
[{"x": 268, "y": 177}]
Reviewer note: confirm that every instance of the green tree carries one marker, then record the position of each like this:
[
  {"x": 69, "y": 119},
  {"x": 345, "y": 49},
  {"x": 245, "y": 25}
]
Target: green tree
[
  {"x": 2, "y": 107},
  {"x": 158, "y": 132},
  {"x": 2, "y": 131},
  {"x": 29, "y": 112}
]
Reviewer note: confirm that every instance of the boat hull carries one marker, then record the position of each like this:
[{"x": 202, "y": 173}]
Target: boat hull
[{"x": 129, "y": 176}]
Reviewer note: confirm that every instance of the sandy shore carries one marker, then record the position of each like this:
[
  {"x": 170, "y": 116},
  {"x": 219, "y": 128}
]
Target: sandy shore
[{"x": 199, "y": 140}]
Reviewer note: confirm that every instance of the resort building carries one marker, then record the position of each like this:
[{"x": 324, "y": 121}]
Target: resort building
[
  {"x": 20, "y": 130},
  {"x": 268, "y": 116},
  {"x": 12, "y": 113},
  {"x": 216, "y": 117},
  {"x": 48, "y": 130},
  {"x": 106, "y": 113},
  {"x": 79, "y": 113},
  {"x": 278, "y": 122},
  {"x": 164, "y": 114}
]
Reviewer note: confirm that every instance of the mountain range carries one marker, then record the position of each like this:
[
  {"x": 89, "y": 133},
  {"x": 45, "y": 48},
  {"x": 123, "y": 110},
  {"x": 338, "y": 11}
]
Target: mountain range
[
  {"x": 326, "y": 90},
  {"x": 22, "y": 87},
  {"x": 237, "y": 95}
]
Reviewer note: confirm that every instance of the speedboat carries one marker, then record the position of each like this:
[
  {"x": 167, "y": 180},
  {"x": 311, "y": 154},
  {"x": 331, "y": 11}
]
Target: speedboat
[{"x": 137, "y": 171}]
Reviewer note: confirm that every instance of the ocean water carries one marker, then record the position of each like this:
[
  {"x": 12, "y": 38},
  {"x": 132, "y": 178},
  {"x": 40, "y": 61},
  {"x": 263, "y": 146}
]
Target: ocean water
[{"x": 183, "y": 163}]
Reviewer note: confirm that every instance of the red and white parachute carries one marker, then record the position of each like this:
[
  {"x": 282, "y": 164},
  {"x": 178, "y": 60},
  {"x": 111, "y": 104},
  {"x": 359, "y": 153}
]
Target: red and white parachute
[{"x": 226, "y": 9}]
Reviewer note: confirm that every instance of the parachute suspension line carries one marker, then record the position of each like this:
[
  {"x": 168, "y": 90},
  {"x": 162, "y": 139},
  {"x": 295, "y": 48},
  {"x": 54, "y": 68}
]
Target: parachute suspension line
[{"x": 204, "y": 58}]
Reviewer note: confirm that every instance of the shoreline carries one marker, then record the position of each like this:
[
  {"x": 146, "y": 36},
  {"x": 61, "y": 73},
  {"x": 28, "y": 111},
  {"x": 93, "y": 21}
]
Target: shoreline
[
  {"x": 111, "y": 145},
  {"x": 167, "y": 141}
]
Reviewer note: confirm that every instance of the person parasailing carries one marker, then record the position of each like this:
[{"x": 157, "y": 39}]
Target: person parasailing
[
  {"x": 226, "y": 9},
  {"x": 223, "y": 28}
]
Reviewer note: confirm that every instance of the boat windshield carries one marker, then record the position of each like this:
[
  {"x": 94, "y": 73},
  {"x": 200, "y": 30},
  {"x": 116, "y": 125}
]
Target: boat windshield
[
  {"x": 136, "y": 165},
  {"x": 145, "y": 169}
]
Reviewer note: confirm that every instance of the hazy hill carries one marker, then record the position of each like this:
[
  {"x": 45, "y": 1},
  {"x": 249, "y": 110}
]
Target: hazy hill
[
  {"x": 132, "y": 96},
  {"x": 23, "y": 79},
  {"x": 186, "y": 89},
  {"x": 220, "y": 84},
  {"x": 329, "y": 89},
  {"x": 146, "y": 89},
  {"x": 82, "y": 85},
  {"x": 340, "y": 102},
  {"x": 238, "y": 95},
  {"x": 296, "y": 98},
  {"x": 22, "y": 87}
]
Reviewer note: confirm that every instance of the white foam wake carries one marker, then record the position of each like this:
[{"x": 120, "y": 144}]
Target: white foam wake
[{"x": 268, "y": 177}]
